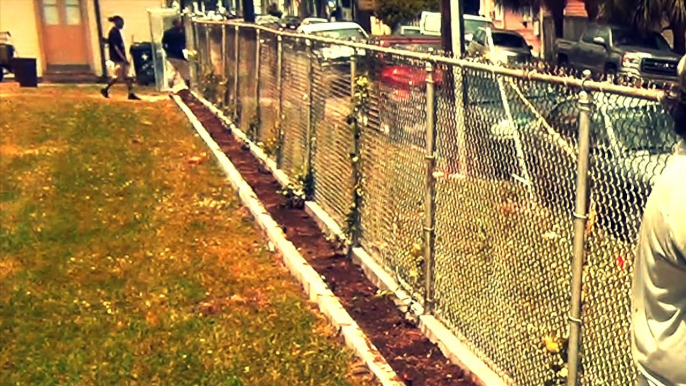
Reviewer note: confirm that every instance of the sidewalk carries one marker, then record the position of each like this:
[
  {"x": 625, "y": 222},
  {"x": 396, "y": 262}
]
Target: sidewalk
[{"x": 125, "y": 258}]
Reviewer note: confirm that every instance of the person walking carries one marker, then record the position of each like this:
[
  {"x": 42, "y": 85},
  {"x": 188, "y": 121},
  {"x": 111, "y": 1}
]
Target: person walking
[
  {"x": 122, "y": 66},
  {"x": 174, "y": 44},
  {"x": 659, "y": 287}
]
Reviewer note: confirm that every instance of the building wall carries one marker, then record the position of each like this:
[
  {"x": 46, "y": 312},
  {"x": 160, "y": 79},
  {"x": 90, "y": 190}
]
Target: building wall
[
  {"x": 19, "y": 17},
  {"x": 136, "y": 23}
]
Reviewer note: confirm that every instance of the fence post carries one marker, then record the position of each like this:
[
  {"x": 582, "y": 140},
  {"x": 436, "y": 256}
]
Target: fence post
[
  {"x": 236, "y": 68},
  {"x": 258, "y": 47},
  {"x": 279, "y": 106},
  {"x": 208, "y": 47},
  {"x": 355, "y": 233},
  {"x": 197, "y": 63},
  {"x": 225, "y": 49},
  {"x": 429, "y": 201},
  {"x": 580, "y": 216},
  {"x": 310, "y": 104}
]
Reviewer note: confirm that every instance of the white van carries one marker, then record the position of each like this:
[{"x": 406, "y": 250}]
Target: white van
[{"x": 430, "y": 24}]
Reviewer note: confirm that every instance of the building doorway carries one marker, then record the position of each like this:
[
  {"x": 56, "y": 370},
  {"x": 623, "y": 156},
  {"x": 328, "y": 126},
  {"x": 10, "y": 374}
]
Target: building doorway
[{"x": 64, "y": 34}]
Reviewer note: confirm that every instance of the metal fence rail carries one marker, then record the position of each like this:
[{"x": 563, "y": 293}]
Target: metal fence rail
[{"x": 472, "y": 184}]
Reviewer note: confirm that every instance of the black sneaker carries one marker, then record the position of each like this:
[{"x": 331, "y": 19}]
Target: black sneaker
[
  {"x": 134, "y": 97},
  {"x": 105, "y": 93}
]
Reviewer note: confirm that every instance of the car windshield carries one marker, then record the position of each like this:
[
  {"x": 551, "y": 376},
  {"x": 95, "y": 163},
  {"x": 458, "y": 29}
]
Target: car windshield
[
  {"x": 653, "y": 41},
  {"x": 342, "y": 34},
  {"x": 509, "y": 40},
  {"x": 643, "y": 129},
  {"x": 470, "y": 26}
]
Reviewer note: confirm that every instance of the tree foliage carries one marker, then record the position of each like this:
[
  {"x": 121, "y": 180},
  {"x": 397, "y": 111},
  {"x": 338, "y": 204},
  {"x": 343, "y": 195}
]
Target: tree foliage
[
  {"x": 641, "y": 14},
  {"x": 555, "y": 7},
  {"x": 654, "y": 14},
  {"x": 395, "y": 12}
]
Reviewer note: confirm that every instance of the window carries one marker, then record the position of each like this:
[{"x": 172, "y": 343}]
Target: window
[
  {"x": 650, "y": 40},
  {"x": 526, "y": 13},
  {"x": 51, "y": 13},
  {"x": 471, "y": 26},
  {"x": 480, "y": 37},
  {"x": 605, "y": 34},
  {"x": 589, "y": 34},
  {"x": 508, "y": 40},
  {"x": 72, "y": 11}
]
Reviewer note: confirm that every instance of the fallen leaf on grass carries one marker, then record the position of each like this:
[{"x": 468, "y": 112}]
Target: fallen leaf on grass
[
  {"x": 209, "y": 308},
  {"x": 198, "y": 159}
]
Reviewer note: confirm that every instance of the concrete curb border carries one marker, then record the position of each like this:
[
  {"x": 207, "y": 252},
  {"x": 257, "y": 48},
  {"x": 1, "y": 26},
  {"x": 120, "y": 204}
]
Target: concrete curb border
[
  {"x": 313, "y": 284},
  {"x": 453, "y": 347}
]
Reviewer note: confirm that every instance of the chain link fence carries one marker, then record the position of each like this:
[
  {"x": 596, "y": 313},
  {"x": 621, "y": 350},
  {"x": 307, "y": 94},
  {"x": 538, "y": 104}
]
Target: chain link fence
[{"x": 469, "y": 178}]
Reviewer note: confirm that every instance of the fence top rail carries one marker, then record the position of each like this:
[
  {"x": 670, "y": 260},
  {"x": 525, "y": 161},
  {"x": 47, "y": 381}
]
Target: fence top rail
[{"x": 527, "y": 74}]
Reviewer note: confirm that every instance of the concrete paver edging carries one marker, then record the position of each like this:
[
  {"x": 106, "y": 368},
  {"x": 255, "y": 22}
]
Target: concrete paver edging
[
  {"x": 312, "y": 283},
  {"x": 436, "y": 331}
]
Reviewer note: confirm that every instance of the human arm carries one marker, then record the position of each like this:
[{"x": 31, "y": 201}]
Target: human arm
[{"x": 165, "y": 42}]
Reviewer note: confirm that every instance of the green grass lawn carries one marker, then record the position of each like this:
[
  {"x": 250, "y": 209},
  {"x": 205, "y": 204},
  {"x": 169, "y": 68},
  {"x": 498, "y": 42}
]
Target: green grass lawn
[{"x": 123, "y": 263}]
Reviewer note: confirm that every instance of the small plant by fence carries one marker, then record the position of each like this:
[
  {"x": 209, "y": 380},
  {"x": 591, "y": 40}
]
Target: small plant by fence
[{"x": 471, "y": 184}]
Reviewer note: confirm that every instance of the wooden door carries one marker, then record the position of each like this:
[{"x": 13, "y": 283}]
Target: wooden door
[{"x": 64, "y": 33}]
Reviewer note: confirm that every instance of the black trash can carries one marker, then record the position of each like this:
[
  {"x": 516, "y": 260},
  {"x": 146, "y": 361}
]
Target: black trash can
[
  {"x": 143, "y": 63},
  {"x": 25, "y": 71}
]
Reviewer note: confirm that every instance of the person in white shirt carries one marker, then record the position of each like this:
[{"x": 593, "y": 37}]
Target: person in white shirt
[{"x": 659, "y": 287}]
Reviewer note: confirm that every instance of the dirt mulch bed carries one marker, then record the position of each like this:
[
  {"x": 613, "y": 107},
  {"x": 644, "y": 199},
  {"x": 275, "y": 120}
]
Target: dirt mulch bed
[{"x": 414, "y": 358}]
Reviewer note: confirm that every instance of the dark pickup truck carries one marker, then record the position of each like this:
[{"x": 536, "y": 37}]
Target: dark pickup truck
[{"x": 618, "y": 50}]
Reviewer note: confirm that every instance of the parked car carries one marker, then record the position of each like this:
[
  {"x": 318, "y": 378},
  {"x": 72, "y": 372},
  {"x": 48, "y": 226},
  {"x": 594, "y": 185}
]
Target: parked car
[
  {"x": 345, "y": 31},
  {"x": 430, "y": 24},
  {"x": 267, "y": 21},
  {"x": 313, "y": 20},
  {"x": 509, "y": 47},
  {"x": 618, "y": 50},
  {"x": 402, "y": 87},
  {"x": 631, "y": 141},
  {"x": 289, "y": 22}
]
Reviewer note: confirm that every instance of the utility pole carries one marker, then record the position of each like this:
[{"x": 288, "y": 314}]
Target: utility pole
[
  {"x": 446, "y": 26},
  {"x": 249, "y": 11},
  {"x": 452, "y": 26},
  {"x": 452, "y": 36}
]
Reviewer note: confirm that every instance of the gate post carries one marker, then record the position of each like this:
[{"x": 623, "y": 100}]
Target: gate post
[
  {"x": 236, "y": 68},
  {"x": 430, "y": 192},
  {"x": 580, "y": 217},
  {"x": 258, "y": 46},
  {"x": 279, "y": 105}
]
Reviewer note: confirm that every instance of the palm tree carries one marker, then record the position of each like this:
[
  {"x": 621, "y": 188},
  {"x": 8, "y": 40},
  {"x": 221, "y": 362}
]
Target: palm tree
[
  {"x": 555, "y": 7},
  {"x": 651, "y": 15},
  {"x": 654, "y": 14}
]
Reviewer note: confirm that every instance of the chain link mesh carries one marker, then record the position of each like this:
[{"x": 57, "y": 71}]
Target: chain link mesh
[
  {"x": 631, "y": 142},
  {"x": 393, "y": 165},
  {"x": 216, "y": 47},
  {"x": 200, "y": 44},
  {"x": 497, "y": 248},
  {"x": 332, "y": 167},
  {"x": 230, "y": 64},
  {"x": 296, "y": 100},
  {"x": 268, "y": 92},
  {"x": 506, "y": 166},
  {"x": 247, "y": 78}
]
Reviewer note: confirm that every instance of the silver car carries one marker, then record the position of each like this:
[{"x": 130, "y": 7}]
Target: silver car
[{"x": 509, "y": 47}]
